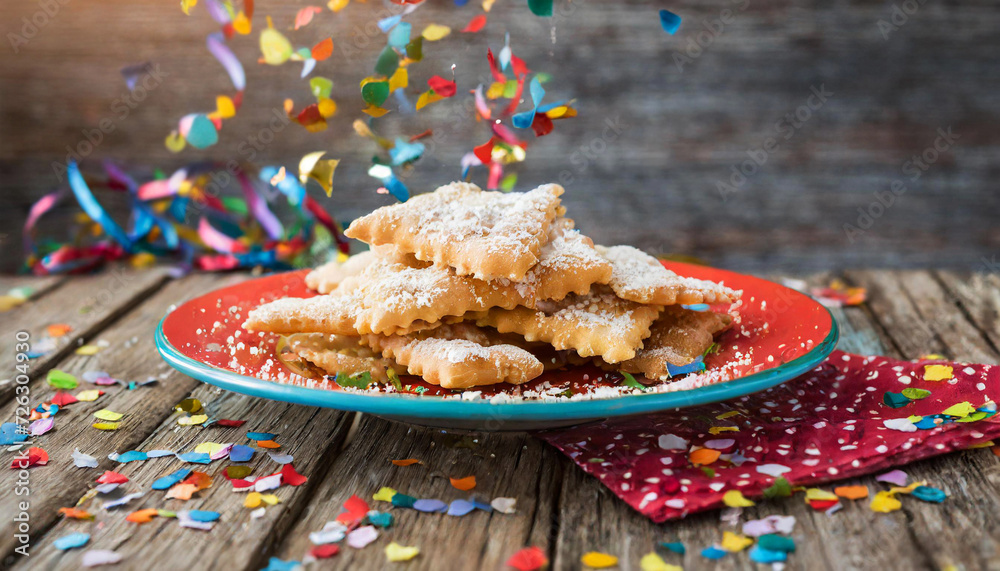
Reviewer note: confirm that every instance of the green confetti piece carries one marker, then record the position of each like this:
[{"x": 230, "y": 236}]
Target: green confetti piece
[
  {"x": 235, "y": 205},
  {"x": 629, "y": 381},
  {"x": 375, "y": 92},
  {"x": 510, "y": 89},
  {"x": 415, "y": 49},
  {"x": 321, "y": 87},
  {"x": 543, "y": 77},
  {"x": 976, "y": 416},
  {"x": 781, "y": 488},
  {"x": 403, "y": 501},
  {"x": 895, "y": 400},
  {"x": 916, "y": 394},
  {"x": 508, "y": 182},
  {"x": 540, "y": 7},
  {"x": 358, "y": 381},
  {"x": 60, "y": 380},
  {"x": 709, "y": 473},
  {"x": 775, "y": 542},
  {"x": 387, "y": 63}
]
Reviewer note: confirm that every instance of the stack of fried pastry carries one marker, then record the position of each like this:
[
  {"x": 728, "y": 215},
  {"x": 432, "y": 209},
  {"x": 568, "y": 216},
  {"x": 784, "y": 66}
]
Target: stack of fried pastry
[{"x": 467, "y": 288}]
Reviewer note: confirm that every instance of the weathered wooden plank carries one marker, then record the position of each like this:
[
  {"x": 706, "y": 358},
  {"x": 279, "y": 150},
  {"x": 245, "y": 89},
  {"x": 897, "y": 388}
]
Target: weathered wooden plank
[
  {"x": 130, "y": 355},
  {"x": 86, "y": 303},
  {"x": 505, "y": 465},
  {"x": 311, "y": 435},
  {"x": 978, "y": 295},
  {"x": 39, "y": 285}
]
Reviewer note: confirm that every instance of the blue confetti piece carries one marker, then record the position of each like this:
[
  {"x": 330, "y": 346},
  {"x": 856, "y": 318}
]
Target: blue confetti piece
[
  {"x": 93, "y": 208},
  {"x": 195, "y": 457},
  {"x": 713, "y": 553},
  {"x": 397, "y": 188},
  {"x": 430, "y": 506},
  {"x": 71, "y": 541},
  {"x": 696, "y": 307},
  {"x": 481, "y": 506},
  {"x": 261, "y": 436},
  {"x": 524, "y": 120},
  {"x": 159, "y": 453},
  {"x": 171, "y": 479},
  {"x": 275, "y": 564},
  {"x": 405, "y": 107},
  {"x": 929, "y": 494},
  {"x": 670, "y": 21},
  {"x": 461, "y": 2},
  {"x": 204, "y": 516},
  {"x": 389, "y": 23},
  {"x": 12, "y": 433},
  {"x": 240, "y": 453},
  {"x": 927, "y": 423},
  {"x": 405, "y": 151},
  {"x": 674, "y": 546},
  {"x": 761, "y": 555},
  {"x": 692, "y": 367},
  {"x": 202, "y": 133},
  {"x": 132, "y": 456},
  {"x": 400, "y": 35},
  {"x": 460, "y": 508}
]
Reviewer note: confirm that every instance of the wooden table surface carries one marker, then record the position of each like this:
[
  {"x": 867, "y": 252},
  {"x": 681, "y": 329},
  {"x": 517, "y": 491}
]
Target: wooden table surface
[{"x": 559, "y": 508}]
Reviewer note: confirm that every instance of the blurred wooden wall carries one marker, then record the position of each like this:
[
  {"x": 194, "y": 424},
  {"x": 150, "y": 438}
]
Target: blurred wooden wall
[{"x": 655, "y": 184}]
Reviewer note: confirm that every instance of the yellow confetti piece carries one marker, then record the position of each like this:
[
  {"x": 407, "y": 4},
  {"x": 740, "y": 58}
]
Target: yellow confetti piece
[
  {"x": 384, "y": 494},
  {"x": 981, "y": 445},
  {"x": 376, "y": 111},
  {"x": 819, "y": 494},
  {"x": 960, "y": 410},
  {"x": 107, "y": 425},
  {"x": 321, "y": 171},
  {"x": 88, "y": 396},
  {"x": 9, "y": 302},
  {"x": 399, "y": 80},
  {"x": 495, "y": 91},
  {"x": 596, "y": 560},
  {"x": 275, "y": 46},
  {"x": 186, "y": 6},
  {"x": 175, "y": 142},
  {"x": 729, "y": 414},
  {"x": 653, "y": 562},
  {"x": 734, "y": 542},
  {"x": 426, "y": 98},
  {"x": 87, "y": 350},
  {"x": 270, "y": 499},
  {"x": 735, "y": 499},
  {"x": 193, "y": 420},
  {"x": 396, "y": 552},
  {"x": 906, "y": 490},
  {"x": 225, "y": 107},
  {"x": 105, "y": 414},
  {"x": 487, "y": 4},
  {"x": 252, "y": 500},
  {"x": 242, "y": 24},
  {"x": 937, "y": 372},
  {"x": 885, "y": 502},
  {"x": 209, "y": 447},
  {"x": 337, "y": 5},
  {"x": 435, "y": 32},
  {"x": 716, "y": 430},
  {"x": 327, "y": 107}
]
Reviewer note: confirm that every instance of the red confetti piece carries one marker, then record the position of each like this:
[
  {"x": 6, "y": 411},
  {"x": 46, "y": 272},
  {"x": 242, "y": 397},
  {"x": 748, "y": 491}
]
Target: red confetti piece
[
  {"x": 822, "y": 505},
  {"x": 355, "y": 509},
  {"x": 35, "y": 457},
  {"x": 324, "y": 551},
  {"x": 425, "y": 134},
  {"x": 407, "y": 462},
  {"x": 541, "y": 125},
  {"x": 291, "y": 477},
  {"x": 305, "y": 16},
  {"x": 63, "y": 399},
  {"x": 476, "y": 24},
  {"x": 110, "y": 477},
  {"x": 484, "y": 152},
  {"x": 520, "y": 68},
  {"x": 528, "y": 559},
  {"x": 75, "y": 513},
  {"x": 230, "y": 423},
  {"x": 442, "y": 86}
]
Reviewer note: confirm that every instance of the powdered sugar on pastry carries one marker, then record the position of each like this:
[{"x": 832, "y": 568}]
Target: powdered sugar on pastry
[
  {"x": 639, "y": 277},
  {"x": 599, "y": 323},
  {"x": 341, "y": 354},
  {"x": 327, "y": 277},
  {"x": 488, "y": 235}
]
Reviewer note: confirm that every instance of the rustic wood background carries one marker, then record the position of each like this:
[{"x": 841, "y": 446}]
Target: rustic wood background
[{"x": 654, "y": 186}]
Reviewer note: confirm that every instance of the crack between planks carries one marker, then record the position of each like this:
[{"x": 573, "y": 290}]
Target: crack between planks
[
  {"x": 556, "y": 526},
  {"x": 279, "y": 533},
  {"x": 965, "y": 312}
]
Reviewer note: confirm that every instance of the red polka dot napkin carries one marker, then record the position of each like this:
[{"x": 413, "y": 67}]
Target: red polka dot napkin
[{"x": 850, "y": 416}]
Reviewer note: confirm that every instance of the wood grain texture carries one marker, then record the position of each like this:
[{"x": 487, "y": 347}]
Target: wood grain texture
[
  {"x": 654, "y": 184},
  {"x": 559, "y": 507},
  {"x": 87, "y": 304}
]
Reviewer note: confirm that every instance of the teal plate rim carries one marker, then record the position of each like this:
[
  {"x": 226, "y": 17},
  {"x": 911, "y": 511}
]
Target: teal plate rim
[{"x": 431, "y": 407}]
